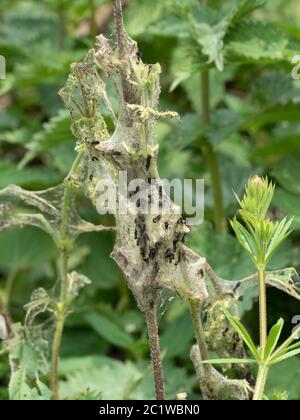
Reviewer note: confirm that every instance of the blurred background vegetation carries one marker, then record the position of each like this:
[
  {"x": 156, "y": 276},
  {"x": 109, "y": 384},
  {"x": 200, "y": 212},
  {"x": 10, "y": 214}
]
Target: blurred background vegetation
[{"x": 254, "y": 129}]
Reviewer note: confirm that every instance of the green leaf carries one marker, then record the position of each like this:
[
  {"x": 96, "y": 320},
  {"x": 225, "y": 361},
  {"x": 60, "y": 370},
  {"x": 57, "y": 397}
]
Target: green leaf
[
  {"x": 112, "y": 379},
  {"x": 18, "y": 388},
  {"x": 245, "y": 7},
  {"x": 243, "y": 333},
  {"x": 293, "y": 347},
  {"x": 273, "y": 338},
  {"x": 285, "y": 356},
  {"x": 211, "y": 37},
  {"x": 287, "y": 173},
  {"x": 290, "y": 204},
  {"x": 99, "y": 267},
  {"x": 55, "y": 132},
  {"x": 281, "y": 231},
  {"x": 24, "y": 382},
  {"x": 245, "y": 239},
  {"x": 170, "y": 342},
  {"x": 26, "y": 248},
  {"x": 274, "y": 88},
  {"x": 253, "y": 41},
  {"x": 140, "y": 15},
  {"x": 223, "y": 124},
  {"x": 229, "y": 361},
  {"x": 285, "y": 376},
  {"x": 186, "y": 132},
  {"x": 109, "y": 330},
  {"x": 33, "y": 177}
]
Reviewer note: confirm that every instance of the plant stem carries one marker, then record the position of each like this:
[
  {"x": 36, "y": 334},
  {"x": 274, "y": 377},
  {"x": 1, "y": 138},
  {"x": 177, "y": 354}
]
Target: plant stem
[
  {"x": 61, "y": 306},
  {"x": 199, "y": 333},
  {"x": 9, "y": 286},
  {"x": 212, "y": 159},
  {"x": 263, "y": 325},
  {"x": 62, "y": 27},
  {"x": 55, "y": 356},
  {"x": 261, "y": 383},
  {"x": 59, "y": 327},
  {"x": 93, "y": 20},
  {"x": 151, "y": 319},
  {"x": 205, "y": 92}
]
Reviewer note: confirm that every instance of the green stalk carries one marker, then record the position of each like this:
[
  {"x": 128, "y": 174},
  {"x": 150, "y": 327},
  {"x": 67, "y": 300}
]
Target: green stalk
[
  {"x": 263, "y": 320},
  {"x": 54, "y": 360},
  {"x": 59, "y": 327},
  {"x": 212, "y": 159},
  {"x": 93, "y": 20},
  {"x": 205, "y": 92},
  {"x": 261, "y": 383},
  {"x": 61, "y": 307},
  {"x": 263, "y": 331},
  {"x": 9, "y": 286},
  {"x": 62, "y": 28}
]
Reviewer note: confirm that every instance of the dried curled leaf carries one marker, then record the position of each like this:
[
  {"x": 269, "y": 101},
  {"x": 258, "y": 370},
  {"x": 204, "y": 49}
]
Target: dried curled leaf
[
  {"x": 286, "y": 280},
  {"x": 43, "y": 209},
  {"x": 75, "y": 283}
]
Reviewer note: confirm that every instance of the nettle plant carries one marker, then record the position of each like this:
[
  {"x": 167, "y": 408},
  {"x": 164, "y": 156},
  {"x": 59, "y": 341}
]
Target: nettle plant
[{"x": 149, "y": 248}]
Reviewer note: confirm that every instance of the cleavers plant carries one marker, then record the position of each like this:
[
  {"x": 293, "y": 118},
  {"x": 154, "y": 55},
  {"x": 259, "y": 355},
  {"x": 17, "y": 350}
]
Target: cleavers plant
[{"x": 260, "y": 237}]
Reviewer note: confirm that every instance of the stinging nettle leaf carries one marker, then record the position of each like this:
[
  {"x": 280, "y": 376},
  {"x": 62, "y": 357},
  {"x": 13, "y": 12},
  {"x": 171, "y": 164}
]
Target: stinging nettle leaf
[{"x": 109, "y": 330}]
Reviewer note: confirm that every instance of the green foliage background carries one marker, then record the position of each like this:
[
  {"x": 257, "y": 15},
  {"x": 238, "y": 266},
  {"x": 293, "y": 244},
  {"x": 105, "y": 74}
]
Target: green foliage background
[{"x": 255, "y": 128}]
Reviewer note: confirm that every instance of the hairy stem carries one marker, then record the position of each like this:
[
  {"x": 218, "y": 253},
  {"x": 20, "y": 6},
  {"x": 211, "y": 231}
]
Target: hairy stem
[
  {"x": 261, "y": 383},
  {"x": 212, "y": 159},
  {"x": 151, "y": 319},
  {"x": 61, "y": 307},
  {"x": 59, "y": 327},
  {"x": 262, "y": 308},
  {"x": 55, "y": 356},
  {"x": 93, "y": 19}
]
